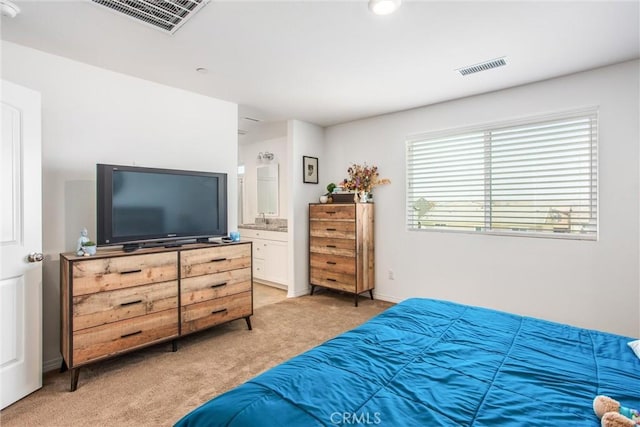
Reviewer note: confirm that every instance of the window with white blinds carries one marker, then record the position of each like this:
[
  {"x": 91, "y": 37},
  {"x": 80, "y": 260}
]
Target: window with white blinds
[{"x": 535, "y": 178}]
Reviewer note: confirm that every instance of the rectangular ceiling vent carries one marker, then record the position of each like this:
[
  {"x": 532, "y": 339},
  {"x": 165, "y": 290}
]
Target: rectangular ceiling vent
[
  {"x": 165, "y": 15},
  {"x": 484, "y": 66},
  {"x": 251, "y": 119}
]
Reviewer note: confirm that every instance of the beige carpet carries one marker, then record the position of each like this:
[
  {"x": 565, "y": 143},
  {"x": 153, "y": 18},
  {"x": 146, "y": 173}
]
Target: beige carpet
[{"x": 155, "y": 386}]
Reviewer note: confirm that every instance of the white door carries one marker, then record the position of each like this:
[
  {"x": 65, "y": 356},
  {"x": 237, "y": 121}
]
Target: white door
[{"x": 20, "y": 235}]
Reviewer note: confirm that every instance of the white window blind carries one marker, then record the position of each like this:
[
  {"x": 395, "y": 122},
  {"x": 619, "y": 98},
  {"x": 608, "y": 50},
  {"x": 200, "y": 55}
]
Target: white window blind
[{"x": 536, "y": 177}]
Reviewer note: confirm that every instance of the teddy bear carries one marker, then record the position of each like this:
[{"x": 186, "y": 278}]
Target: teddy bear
[{"x": 612, "y": 414}]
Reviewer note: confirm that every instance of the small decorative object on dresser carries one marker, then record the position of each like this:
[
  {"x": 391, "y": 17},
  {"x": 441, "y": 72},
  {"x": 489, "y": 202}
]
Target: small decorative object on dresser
[
  {"x": 341, "y": 247},
  {"x": 85, "y": 242},
  {"x": 89, "y": 248},
  {"x": 362, "y": 179},
  {"x": 330, "y": 189},
  {"x": 343, "y": 197}
]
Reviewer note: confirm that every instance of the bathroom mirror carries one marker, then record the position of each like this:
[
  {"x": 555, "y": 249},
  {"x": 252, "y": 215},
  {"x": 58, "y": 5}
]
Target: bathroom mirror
[{"x": 268, "y": 189}]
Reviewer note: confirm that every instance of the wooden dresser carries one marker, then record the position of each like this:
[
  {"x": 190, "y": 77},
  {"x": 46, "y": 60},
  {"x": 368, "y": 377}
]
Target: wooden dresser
[
  {"x": 341, "y": 247},
  {"x": 116, "y": 302}
]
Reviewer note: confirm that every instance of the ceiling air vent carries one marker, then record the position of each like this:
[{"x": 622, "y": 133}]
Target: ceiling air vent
[
  {"x": 484, "y": 66},
  {"x": 251, "y": 119},
  {"x": 165, "y": 15}
]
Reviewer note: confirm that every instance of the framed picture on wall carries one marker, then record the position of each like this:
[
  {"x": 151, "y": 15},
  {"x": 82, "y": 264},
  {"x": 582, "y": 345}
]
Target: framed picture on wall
[{"x": 309, "y": 170}]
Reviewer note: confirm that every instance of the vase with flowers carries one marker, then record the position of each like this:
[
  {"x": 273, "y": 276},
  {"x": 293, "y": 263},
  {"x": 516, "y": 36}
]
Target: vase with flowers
[{"x": 362, "y": 179}]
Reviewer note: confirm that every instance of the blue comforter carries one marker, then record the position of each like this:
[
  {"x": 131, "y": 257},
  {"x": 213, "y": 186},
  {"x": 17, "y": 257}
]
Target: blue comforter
[{"x": 435, "y": 363}]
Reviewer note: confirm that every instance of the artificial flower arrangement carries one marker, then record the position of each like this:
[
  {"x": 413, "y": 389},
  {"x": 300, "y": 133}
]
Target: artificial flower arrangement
[{"x": 363, "y": 178}]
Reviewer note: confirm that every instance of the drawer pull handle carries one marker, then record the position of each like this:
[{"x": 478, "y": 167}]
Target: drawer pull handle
[
  {"x": 331, "y": 212},
  {"x": 219, "y": 311},
  {"x": 218, "y": 259},
  {"x": 332, "y": 280},
  {"x": 131, "y": 271},
  {"x": 130, "y": 303},
  {"x": 331, "y": 246},
  {"x": 219, "y": 285},
  {"x": 331, "y": 262},
  {"x": 331, "y": 229},
  {"x": 131, "y": 334}
]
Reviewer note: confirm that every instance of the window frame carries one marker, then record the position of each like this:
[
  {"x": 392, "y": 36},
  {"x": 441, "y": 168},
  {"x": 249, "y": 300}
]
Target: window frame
[{"x": 591, "y": 112}]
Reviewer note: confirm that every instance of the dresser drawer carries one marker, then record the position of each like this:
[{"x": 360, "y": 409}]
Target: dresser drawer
[
  {"x": 333, "y": 229},
  {"x": 333, "y": 263},
  {"x": 211, "y": 286},
  {"x": 331, "y": 279},
  {"x": 332, "y": 211},
  {"x": 213, "y": 312},
  {"x": 107, "y": 307},
  {"x": 327, "y": 245},
  {"x": 107, "y": 274},
  {"x": 198, "y": 262},
  {"x": 107, "y": 340}
]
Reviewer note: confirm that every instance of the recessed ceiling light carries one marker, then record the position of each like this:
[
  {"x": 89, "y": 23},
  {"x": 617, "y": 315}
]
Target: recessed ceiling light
[
  {"x": 202, "y": 70},
  {"x": 384, "y": 7},
  {"x": 8, "y": 9}
]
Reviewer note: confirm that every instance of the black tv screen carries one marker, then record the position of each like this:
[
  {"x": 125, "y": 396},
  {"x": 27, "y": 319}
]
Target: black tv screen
[{"x": 137, "y": 205}]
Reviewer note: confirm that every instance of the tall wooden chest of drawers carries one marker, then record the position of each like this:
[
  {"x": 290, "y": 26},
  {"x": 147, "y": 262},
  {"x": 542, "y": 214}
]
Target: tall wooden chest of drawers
[
  {"x": 341, "y": 247},
  {"x": 115, "y": 302}
]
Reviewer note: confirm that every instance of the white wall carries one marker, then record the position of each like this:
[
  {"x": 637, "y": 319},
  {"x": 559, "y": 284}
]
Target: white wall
[
  {"x": 589, "y": 284},
  {"x": 303, "y": 139},
  {"x": 89, "y": 116},
  {"x": 248, "y": 156}
]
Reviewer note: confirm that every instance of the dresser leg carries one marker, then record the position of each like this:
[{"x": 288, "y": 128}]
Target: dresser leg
[
  {"x": 64, "y": 367},
  {"x": 74, "y": 374},
  {"x": 371, "y": 293},
  {"x": 248, "y": 319},
  {"x": 312, "y": 288},
  {"x": 174, "y": 345},
  {"x": 356, "y": 299}
]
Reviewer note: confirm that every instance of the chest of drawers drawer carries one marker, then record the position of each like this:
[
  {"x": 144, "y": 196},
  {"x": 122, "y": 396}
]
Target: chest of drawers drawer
[
  {"x": 333, "y": 229},
  {"x": 334, "y": 263},
  {"x": 332, "y": 279},
  {"x": 106, "y": 307},
  {"x": 215, "y": 311},
  {"x": 108, "y": 274},
  {"x": 199, "y": 262},
  {"x": 217, "y": 285},
  {"x": 332, "y": 212},
  {"x": 103, "y": 341},
  {"x": 332, "y": 246}
]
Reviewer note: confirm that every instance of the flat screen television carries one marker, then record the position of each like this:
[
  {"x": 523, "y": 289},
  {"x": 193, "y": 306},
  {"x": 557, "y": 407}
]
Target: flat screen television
[{"x": 139, "y": 206}]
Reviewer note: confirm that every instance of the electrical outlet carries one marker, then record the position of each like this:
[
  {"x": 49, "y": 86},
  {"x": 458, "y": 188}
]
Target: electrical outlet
[{"x": 390, "y": 274}]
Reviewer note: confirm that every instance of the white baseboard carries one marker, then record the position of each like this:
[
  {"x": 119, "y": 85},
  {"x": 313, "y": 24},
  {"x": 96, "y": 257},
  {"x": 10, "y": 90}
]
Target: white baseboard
[
  {"x": 272, "y": 284},
  {"x": 387, "y": 298},
  {"x": 52, "y": 364},
  {"x": 299, "y": 293}
]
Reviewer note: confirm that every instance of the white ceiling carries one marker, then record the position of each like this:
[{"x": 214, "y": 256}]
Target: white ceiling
[{"x": 329, "y": 62}]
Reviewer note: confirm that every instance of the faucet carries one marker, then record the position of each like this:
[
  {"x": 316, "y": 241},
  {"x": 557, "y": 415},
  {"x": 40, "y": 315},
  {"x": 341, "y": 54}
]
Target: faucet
[{"x": 264, "y": 220}]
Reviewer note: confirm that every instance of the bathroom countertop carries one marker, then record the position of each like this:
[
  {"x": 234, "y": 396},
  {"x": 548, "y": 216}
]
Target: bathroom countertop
[{"x": 266, "y": 227}]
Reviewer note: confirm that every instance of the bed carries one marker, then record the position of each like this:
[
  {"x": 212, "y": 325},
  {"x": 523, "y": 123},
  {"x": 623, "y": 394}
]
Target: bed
[{"x": 436, "y": 363}]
